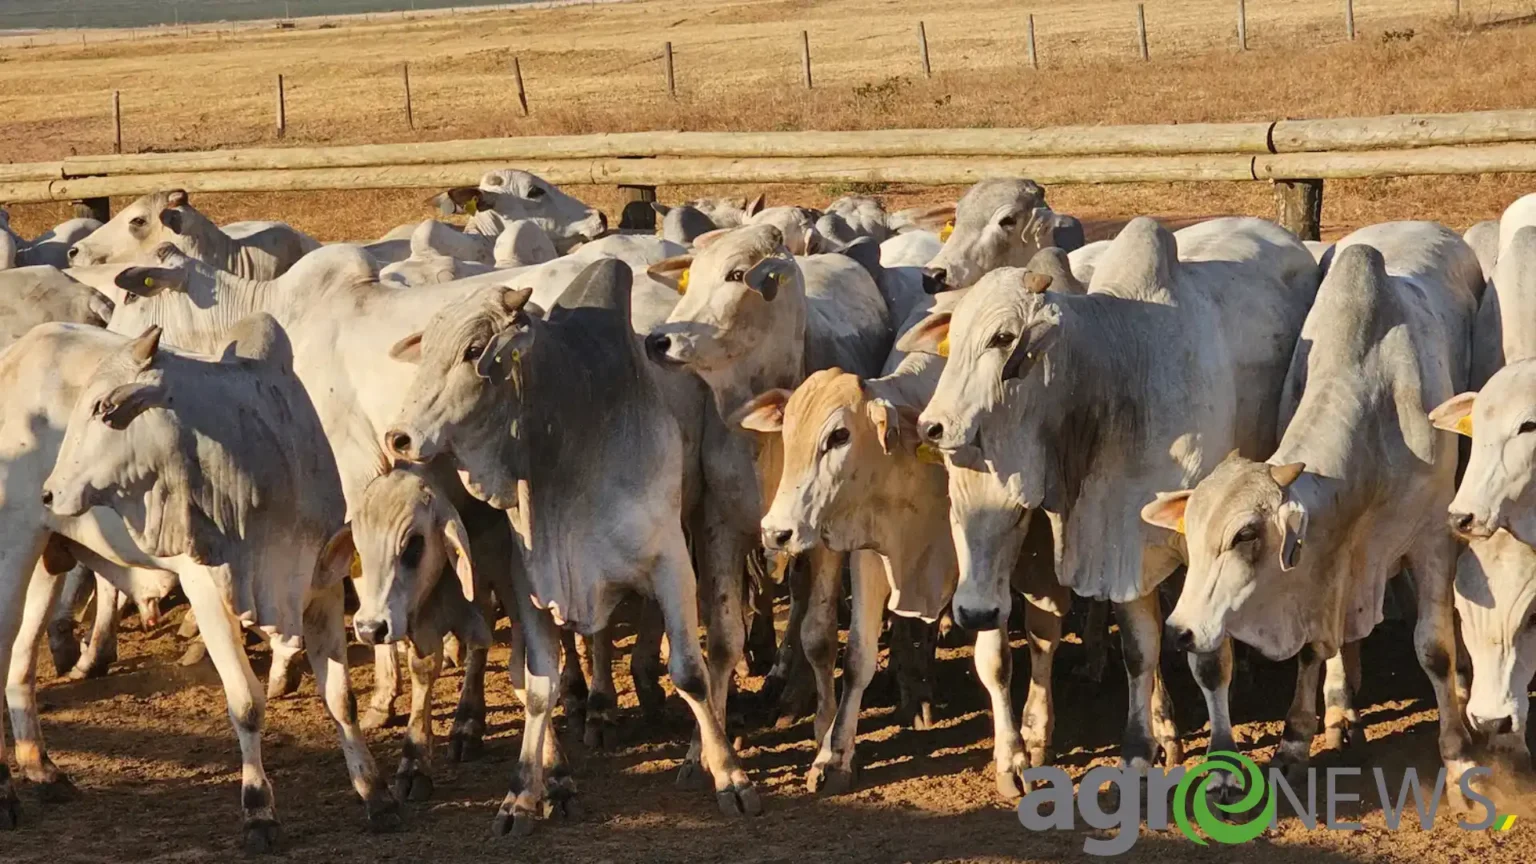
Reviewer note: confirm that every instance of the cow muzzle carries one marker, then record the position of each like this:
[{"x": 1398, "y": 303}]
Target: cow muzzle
[
  {"x": 60, "y": 502},
  {"x": 979, "y": 618},
  {"x": 1470, "y": 526},
  {"x": 403, "y": 443},
  {"x": 669, "y": 349},
  {"x": 374, "y": 631}
]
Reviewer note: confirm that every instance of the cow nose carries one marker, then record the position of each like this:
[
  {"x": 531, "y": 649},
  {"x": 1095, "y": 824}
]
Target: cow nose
[
  {"x": 1489, "y": 726},
  {"x": 656, "y": 346},
  {"x": 602, "y": 222},
  {"x": 1463, "y": 524},
  {"x": 47, "y": 498},
  {"x": 74, "y": 252},
  {"x": 934, "y": 279},
  {"x": 932, "y": 432},
  {"x": 399, "y": 443},
  {"x": 372, "y": 632},
  {"x": 1182, "y": 638},
  {"x": 977, "y": 619},
  {"x": 778, "y": 539}
]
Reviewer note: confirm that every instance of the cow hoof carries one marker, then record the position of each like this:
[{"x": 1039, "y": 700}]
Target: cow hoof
[
  {"x": 92, "y": 666},
  {"x": 466, "y": 743},
  {"x": 378, "y": 718},
  {"x": 739, "y": 800},
  {"x": 922, "y": 717},
  {"x": 260, "y": 836},
  {"x": 59, "y": 790},
  {"x": 66, "y": 653},
  {"x": 1173, "y": 752},
  {"x": 1339, "y": 738},
  {"x": 1009, "y": 786},
  {"x": 196, "y": 653},
  {"x": 285, "y": 682},
  {"x": 384, "y": 813},
  {"x": 828, "y": 779},
  {"x": 691, "y": 775},
  {"x": 415, "y": 786}
]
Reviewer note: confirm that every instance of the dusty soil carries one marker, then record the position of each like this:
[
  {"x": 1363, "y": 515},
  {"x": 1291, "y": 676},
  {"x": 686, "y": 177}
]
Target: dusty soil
[{"x": 158, "y": 770}]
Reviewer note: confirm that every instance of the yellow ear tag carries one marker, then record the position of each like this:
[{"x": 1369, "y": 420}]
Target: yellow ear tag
[
  {"x": 929, "y": 454},
  {"x": 948, "y": 229},
  {"x": 472, "y": 206},
  {"x": 1464, "y": 426},
  {"x": 1179, "y": 526},
  {"x": 944, "y": 346},
  {"x": 355, "y": 570},
  {"x": 149, "y": 282},
  {"x": 682, "y": 282}
]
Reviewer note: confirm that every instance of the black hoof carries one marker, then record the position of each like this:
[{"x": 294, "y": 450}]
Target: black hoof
[
  {"x": 741, "y": 800},
  {"x": 384, "y": 815},
  {"x": 59, "y": 790},
  {"x": 465, "y": 745},
  {"x": 828, "y": 780},
  {"x": 260, "y": 836},
  {"x": 413, "y": 787}
]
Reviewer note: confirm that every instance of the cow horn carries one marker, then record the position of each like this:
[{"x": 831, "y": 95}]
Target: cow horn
[
  {"x": 1285, "y": 475},
  {"x": 513, "y": 299},
  {"x": 143, "y": 349}
]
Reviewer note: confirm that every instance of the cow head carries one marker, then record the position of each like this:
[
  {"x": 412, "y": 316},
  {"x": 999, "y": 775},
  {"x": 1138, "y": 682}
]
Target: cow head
[
  {"x": 1498, "y": 489},
  {"x": 838, "y": 442},
  {"x": 133, "y": 235},
  {"x": 1496, "y": 604},
  {"x": 796, "y": 225},
  {"x": 728, "y": 212},
  {"x": 520, "y": 195},
  {"x": 742, "y": 308},
  {"x": 999, "y": 222},
  {"x": 1243, "y": 529},
  {"x": 404, "y": 534},
  {"x": 467, "y": 394}
]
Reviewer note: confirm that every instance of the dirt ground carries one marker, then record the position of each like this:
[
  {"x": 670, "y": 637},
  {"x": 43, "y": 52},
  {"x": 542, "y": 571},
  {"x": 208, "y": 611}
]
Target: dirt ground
[{"x": 151, "y": 751}]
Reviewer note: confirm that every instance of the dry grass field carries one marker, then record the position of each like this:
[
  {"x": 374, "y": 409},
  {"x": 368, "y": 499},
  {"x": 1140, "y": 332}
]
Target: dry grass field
[{"x": 150, "y": 746}]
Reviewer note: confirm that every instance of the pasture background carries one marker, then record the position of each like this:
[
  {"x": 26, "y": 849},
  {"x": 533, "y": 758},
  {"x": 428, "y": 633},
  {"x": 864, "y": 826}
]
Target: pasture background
[{"x": 151, "y": 746}]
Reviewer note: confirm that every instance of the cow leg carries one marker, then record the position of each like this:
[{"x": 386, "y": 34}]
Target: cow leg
[
  {"x": 197, "y": 651},
  {"x": 818, "y": 633},
  {"x": 1095, "y": 645},
  {"x": 325, "y": 642},
  {"x": 1301, "y": 720},
  {"x": 1213, "y": 672},
  {"x": 994, "y": 666},
  {"x": 573, "y": 682},
  {"x": 832, "y": 771},
  {"x": 1341, "y": 681},
  {"x": 645, "y": 659},
  {"x": 673, "y": 582},
  {"x": 790, "y": 684},
  {"x": 1038, "y": 721},
  {"x": 912, "y": 647},
  {"x": 724, "y": 550},
  {"x": 247, "y": 707},
  {"x": 284, "y": 677},
  {"x": 413, "y": 779},
  {"x": 386, "y": 686},
  {"x": 1432, "y": 561},
  {"x": 21, "y": 690},
  {"x": 603, "y": 701},
  {"x": 527, "y": 793},
  {"x": 466, "y": 740},
  {"x": 1146, "y": 722},
  {"x": 101, "y": 651},
  {"x": 62, "y": 644}
]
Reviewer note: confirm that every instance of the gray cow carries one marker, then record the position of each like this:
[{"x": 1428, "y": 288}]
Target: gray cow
[
  {"x": 999, "y": 222},
  {"x": 521, "y": 195},
  {"x": 221, "y": 466},
  {"x": 1086, "y": 405},
  {"x": 1293, "y": 556},
  {"x": 254, "y": 250},
  {"x": 558, "y": 422}
]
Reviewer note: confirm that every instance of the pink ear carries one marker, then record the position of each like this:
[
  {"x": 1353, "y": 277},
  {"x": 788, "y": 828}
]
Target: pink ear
[
  {"x": 763, "y": 413},
  {"x": 1167, "y": 511}
]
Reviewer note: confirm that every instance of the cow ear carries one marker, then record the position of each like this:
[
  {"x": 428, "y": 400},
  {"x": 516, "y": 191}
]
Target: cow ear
[
  {"x": 1167, "y": 511},
  {"x": 335, "y": 560},
  {"x": 1455, "y": 414},
  {"x": 1037, "y": 283},
  {"x": 503, "y": 357},
  {"x": 456, "y": 541},
  {"x": 143, "y": 349},
  {"x": 460, "y": 199},
  {"x": 887, "y": 424},
  {"x": 660, "y": 208},
  {"x": 755, "y": 206},
  {"x": 1292, "y": 517},
  {"x": 176, "y": 198},
  {"x": 672, "y": 272},
  {"x": 769, "y": 275},
  {"x": 1035, "y": 341},
  {"x": 170, "y": 217},
  {"x": 928, "y": 336},
  {"x": 763, "y": 413},
  {"x": 407, "y": 350},
  {"x": 118, "y": 408},
  {"x": 514, "y": 299},
  {"x": 1285, "y": 475},
  {"x": 149, "y": 281}
]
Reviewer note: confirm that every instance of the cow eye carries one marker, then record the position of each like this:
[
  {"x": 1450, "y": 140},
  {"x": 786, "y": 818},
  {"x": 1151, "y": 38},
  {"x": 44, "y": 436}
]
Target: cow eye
[
  {"x": 100, "y": 408},
  {"x": 1246, "y": 534},
  {"x": 1001, "y": 339},
  {"x": 1007, "y": 223},
  {"x": 136, "y": 222},
  {"x": 410, "y": 556},
  {"x": 736, "y": 276},
  {"x": 837, "y": 438},
  {"x": 1528, "y": 426},
  {"x": 535, "y": 192},
  {"x": 473, "y": 351}
]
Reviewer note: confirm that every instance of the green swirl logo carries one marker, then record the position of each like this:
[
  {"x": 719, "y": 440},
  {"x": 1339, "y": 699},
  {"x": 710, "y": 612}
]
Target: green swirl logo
[{"x": 1255, "y": 789}]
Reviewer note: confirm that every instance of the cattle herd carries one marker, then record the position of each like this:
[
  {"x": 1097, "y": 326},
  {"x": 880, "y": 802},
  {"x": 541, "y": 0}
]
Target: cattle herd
[{"x": 932, "y": 412}]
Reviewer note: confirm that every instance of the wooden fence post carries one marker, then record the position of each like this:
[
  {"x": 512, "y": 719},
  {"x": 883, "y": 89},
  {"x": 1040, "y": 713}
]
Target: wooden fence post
[
  {"x": 1242, "y": 25},
  {"x": 117, "y": 122},
  {"x": 522, "y": 95},
  {"x": 638, "y": 214},
  {"x": 1141, "y": 29},
  {"x": 922, "y": 46},
  {"x": 1299, "y": 206},
  {"x": 282, "y": 108},
  {"x": 671, "y": 77},
  {"x": 805, "y": 56},
  {"x": 1034, "y": 59},
  {"x": 1349, "y": 19},
  {"x": 405, "y": 75}
]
